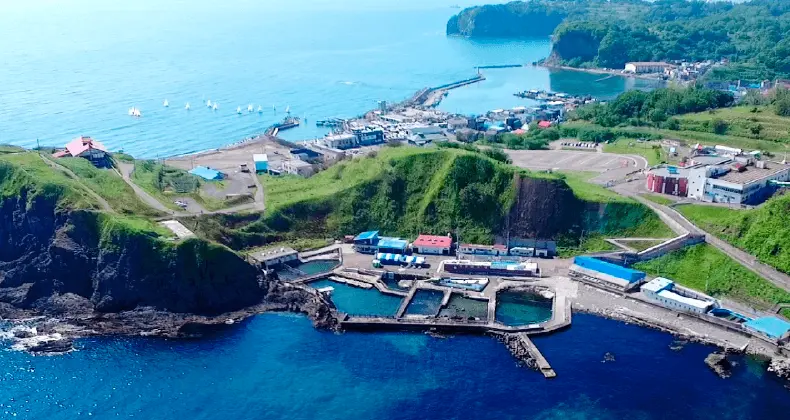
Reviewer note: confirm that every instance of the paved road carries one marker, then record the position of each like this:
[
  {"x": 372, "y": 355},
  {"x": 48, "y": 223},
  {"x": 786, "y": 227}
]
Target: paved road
[{"x": 102, "y": 202}]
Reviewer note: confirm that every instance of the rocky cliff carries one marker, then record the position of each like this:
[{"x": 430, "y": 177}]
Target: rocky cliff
[
  {"x": 515, "y": 19},
  {"x": 104, "y": 274}
]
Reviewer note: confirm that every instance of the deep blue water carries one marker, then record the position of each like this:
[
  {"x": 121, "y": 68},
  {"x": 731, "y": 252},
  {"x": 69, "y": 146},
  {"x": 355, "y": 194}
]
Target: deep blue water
[
  {"x": 77, "y": 69},
  {"x": 279, "y": 367}
]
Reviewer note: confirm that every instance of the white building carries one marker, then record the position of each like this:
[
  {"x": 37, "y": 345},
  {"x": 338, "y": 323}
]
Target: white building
[
  {"x": 340, "y": 141},
  {"x": 298, "y": 167},
  {"x": 638, "y": 67},
  {"x": 671, "y": 296},
  {"x": 736, "y": 183},
  {"x": 268, "y": 258}
]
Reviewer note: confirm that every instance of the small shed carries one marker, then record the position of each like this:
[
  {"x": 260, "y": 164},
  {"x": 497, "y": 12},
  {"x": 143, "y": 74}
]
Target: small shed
[
  {"x": 269, "y": 258},
  {"x": 544, "y": 124},
  {"x": 206, "y": 173},
  {"x": 261, "y": 162}
]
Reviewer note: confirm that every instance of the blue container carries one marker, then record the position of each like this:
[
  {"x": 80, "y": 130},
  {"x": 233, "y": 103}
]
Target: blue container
[{"x": 613, "y": 270}]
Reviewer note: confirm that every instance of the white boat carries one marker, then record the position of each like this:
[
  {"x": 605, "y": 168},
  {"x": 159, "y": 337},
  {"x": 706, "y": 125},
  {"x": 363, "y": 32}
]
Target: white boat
[
  {"x": 166, "y": 104},
  {"x": 208, "y": 103},
  {"x": 238, "y": 110},
  {"x": 250, "y": 108},
  {"x": 187, "y": 107},
  {"x": 288, "y": 109},
  {"x": 215, "y": 106},
  {"x": 260, "y": 109},
  {"x": 274, "y": 108},
  {"x": 134, "y": 112}
]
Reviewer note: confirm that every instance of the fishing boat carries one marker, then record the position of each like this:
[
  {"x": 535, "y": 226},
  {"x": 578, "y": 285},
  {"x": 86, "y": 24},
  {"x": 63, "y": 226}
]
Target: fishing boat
[
  {"x": 250, "y": 108},
  {"x": 187, "y": 107},
  {"x": 166, "y": 104},
  {"x": 238, "y": 110}
]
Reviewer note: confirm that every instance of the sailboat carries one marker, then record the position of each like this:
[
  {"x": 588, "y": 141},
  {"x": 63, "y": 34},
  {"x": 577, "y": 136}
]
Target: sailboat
[
  {"x": 208, "y": 103},
  {"x": 187, "y": 107},
  {"x": 166, "y": 104},
  {"x": 274, "y": 108},
  {"x": 134, "y": 112},
  {"x": 238, "y": 110},
  {"x": 249, "y": 108},
  {"x": 288, "y": 109},
  {"x": 215, "y": 106},
  {"x": 260, "y": 109}
]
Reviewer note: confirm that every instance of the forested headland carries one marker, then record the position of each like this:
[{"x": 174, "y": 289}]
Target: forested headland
[{"x": 753, "y": 36}]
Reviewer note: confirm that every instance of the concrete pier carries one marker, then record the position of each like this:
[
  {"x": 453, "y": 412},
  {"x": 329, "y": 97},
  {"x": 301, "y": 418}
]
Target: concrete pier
[
  {"x": 543, "y": 365},
  {"x": 355, "y": 283}
]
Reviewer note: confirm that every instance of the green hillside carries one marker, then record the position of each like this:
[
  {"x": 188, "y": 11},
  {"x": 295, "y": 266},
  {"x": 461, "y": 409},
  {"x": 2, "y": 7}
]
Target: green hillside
[
  {"x": 763, "y": 232},
  {"x": 406, "y": 191}
]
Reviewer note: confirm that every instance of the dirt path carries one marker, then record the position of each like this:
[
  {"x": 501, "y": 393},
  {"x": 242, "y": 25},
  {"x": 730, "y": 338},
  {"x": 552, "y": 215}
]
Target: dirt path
[
  {"x": 125, "y": 172},
  {"x": 102, "y": 202}
]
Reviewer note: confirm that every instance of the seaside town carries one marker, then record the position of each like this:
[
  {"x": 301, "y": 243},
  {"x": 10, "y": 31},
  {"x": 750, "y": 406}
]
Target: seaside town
[{"x": 442, "y": 284}]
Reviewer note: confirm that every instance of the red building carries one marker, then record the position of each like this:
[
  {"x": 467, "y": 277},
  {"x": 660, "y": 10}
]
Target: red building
[{"x": 669, "y": 180}]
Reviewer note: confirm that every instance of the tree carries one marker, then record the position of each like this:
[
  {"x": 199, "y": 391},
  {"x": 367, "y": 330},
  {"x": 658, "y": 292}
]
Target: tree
[{"x": 756, "y": 129}]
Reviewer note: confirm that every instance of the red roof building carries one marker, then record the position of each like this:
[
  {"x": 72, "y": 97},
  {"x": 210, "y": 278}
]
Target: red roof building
[
  {"x": 544, "y": 124},
  {"x": 84, "y": 147},
  {"x": 430, "y": 244}
]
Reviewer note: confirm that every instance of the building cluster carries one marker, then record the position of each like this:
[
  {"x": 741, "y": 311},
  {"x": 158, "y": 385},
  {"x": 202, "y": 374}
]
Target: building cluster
[
  {"x": 721, "y": 174},
  {"x": 681, "y": 71},
  {"x": 667, "y": 294}
]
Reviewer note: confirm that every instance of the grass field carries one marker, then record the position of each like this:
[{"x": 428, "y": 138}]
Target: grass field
[
  {"x": 166, "y": 183},
  {"x": 641, "y": 245},
  {"x": 650, "y": 150},
  {"x": 584, "y": 189},
  {"x": 28, "y": 170},
  {"x": 659, "y": 199},
  {"x": 706, "y": 269},
  {"x": 594, "y": 243},
  {"x": 109, "y": 185}
]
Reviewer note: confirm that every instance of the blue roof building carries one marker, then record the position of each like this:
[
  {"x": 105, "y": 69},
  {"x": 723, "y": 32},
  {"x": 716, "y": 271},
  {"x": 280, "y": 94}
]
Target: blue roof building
[
  {"x": 605, "y": 274},
  {"x": 206, "y": 173},
  {"x": 393, "y": 245},
  {"x": 369, "y": 237},
  {"x": 774, "y": 328}
]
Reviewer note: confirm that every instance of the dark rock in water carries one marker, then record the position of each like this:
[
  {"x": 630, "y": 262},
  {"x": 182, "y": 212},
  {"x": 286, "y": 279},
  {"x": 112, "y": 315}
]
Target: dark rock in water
[
  {"x": 21, "y": 333},
  {"x": 719, "y": 363},
  {"x": 608, "y": 357},
  {"x": 519, "y": 350},
  {"x": 678, "y": 345},
  {"x": 63, "y": 345}
]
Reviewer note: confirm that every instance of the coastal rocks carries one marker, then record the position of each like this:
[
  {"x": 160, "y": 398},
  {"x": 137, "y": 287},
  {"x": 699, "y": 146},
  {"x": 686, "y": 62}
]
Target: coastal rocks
[
  {"x": 780, "y": 366},
  {"x": 719, "y": 363},
  {"x": 678, "y": 344},
  {"x": 519, "y": 350},
  {"x": 608, "y": 357}
]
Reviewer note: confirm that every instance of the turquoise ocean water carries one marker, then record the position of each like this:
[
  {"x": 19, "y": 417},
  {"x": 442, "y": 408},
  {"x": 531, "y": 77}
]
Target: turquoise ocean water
[{"x": 75, "y": 67}]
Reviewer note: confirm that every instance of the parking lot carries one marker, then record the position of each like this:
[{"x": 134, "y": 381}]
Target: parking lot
[{"x": 571, "y": 160}]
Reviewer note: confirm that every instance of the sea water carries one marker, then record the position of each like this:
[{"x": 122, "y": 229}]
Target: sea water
[
  {"x": 278, "y": 367},
  {"x": 75, "y": 68}
]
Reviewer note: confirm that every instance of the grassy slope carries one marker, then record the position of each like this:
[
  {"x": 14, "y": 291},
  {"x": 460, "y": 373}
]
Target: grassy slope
[
  {"x": 27, "y": 171},
  {"x": 763, "y": 232},
  {"x": 585, "y": 190},
  {"x": 658, "y": 199},
  {"x": 702, "y": 264},
  {"x": 109, "y": 185},
  {"x": 625, "y": 146},
  {"x": 739, "y": 120}
]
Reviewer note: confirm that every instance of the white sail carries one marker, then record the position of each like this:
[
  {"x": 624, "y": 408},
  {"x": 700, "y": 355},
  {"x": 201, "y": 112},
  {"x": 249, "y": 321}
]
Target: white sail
[
  {"x": 208, "y": 103},
  {"x": 187, "y": 106},
  {"x": 215, "y": 107},
  {"x": 238, "y": 110},
  {"x": 260, "y": 109},
  {"x": 288, "y": 109},
  {"x": 166, "y": 104},
  {"x": 249, "y": 108}
]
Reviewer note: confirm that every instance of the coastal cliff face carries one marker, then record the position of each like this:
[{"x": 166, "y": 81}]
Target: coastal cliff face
[{"x": 84, "y": 266}]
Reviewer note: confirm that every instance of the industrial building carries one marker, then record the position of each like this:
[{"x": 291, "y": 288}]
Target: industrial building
[
  {"x": 269, "y": 258},
  {"x": 721, "y": 175},
  {"x": 358, "y": 137},
  {"x": 392, "y": 245},
  {"x": 430, "y": 244},
  {"x": 261, "y": 162},
  {"x": 774, "y": 329},
  {"x": 366, "y": 242},
  {"x": 474, "y": 249},
  {"x": 500, "y": 268},
  {"x": 606, "y": 275},
  {"x": 666, "y": 293},
  {"x": 298, "y": 167},
  {"x": 641, "y": 67}
]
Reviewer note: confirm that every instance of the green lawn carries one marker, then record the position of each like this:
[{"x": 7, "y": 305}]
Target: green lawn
[
  {"x": 659, "y": 199},
  {"x": 109, "y": 185},
  {"x": 9, "y": 148},
  {"x": 650, "y": 150},
  {"x": 590, "y": 244},
  {"x": 706, "y": 269},
  {"x": 166, "y": 184},
  {"x": 585, "y": 190},
  {"x": 719, "y": 221}
]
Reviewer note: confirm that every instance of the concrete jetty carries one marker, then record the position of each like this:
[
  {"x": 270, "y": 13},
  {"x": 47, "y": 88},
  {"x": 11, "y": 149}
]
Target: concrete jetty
[
  {"x": 355, "y": 283},
  {"x": 542, "y": 364}
]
